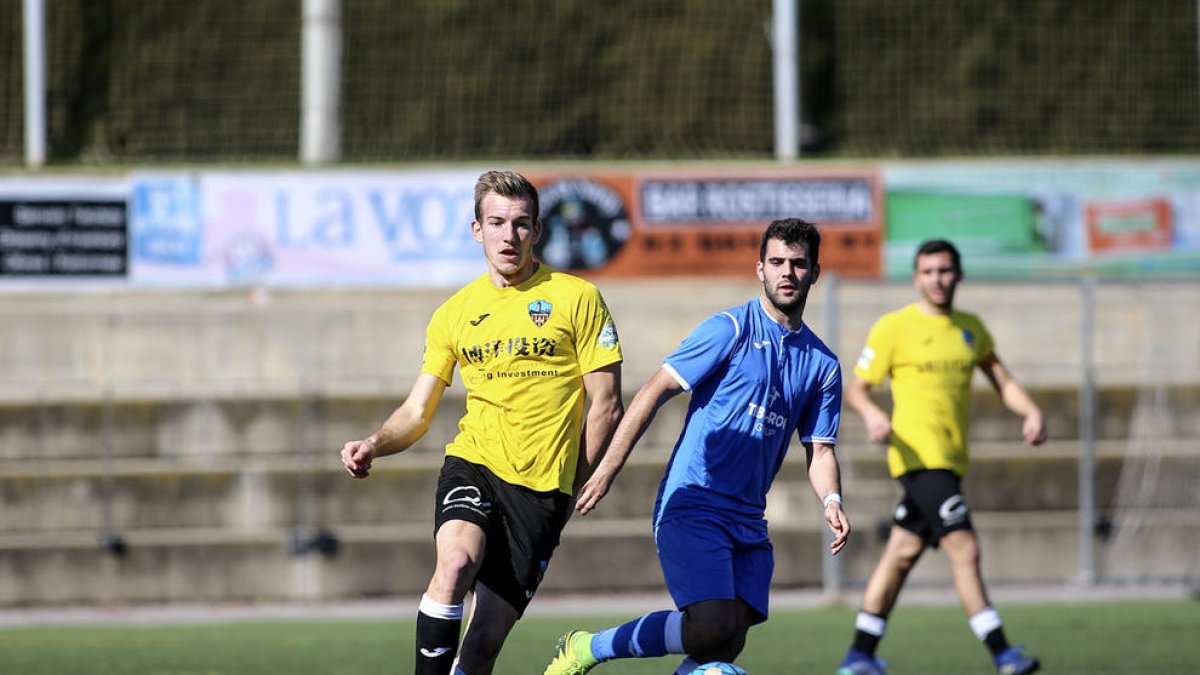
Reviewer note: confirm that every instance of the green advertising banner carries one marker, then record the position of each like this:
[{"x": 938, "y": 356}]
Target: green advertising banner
[
  {"x": 1047, "y": 219},
  {"x": 984, "y": 227}
]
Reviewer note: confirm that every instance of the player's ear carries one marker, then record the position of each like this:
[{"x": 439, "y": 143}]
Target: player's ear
[
  {"x": 477, "y": 231},
  {"x": 537, "y": 231},
  {"x": 758, "y": 269}
]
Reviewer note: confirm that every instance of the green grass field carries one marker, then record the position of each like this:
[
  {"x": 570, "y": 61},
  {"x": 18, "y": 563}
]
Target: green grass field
[{"x": 1119, "y": 638}]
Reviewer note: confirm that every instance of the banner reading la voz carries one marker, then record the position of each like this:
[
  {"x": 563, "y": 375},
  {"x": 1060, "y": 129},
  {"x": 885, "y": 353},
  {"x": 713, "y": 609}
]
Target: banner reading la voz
[{"x": 329, "y": 229}]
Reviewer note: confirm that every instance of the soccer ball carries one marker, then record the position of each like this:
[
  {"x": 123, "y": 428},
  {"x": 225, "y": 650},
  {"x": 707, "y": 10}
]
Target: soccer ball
[{"x": 718, "y": 668}]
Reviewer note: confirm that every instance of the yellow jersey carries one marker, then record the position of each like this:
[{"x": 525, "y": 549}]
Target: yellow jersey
[
  {"x": 931, "y": 360},
  {"x": 522, "y": 352}
]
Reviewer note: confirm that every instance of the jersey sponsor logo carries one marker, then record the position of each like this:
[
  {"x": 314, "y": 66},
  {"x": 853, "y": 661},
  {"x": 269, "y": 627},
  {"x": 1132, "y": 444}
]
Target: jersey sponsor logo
[
  {"x": 946, "y": 366},
  {"x": 769, "y": 422},
  {"x": 513, "y": 346},
  {"x": 434, "y": 653},
  {"x": 539, "y": 312},
  {"x": 953, "y": 511},
  {"x": 478, "y": 321},
  {"x": 760, "y": 345},
  {"x": 608, "y": 336}
]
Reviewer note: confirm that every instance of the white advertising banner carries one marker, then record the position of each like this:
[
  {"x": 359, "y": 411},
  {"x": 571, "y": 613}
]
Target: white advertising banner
[{"x": 300, "y": 229}]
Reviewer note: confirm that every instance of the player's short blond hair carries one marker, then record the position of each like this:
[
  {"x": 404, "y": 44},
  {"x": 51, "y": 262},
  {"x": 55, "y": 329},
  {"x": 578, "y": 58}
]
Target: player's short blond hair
[{"x": 506, "y": 184}]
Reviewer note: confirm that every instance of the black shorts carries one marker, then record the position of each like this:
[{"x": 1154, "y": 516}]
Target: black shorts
[
  {"x": 932, "y": 505},
  {"x": 521, "y": 526}
]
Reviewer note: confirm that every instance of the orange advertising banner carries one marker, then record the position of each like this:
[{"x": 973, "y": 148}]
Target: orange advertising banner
[
  {"x": 1129, "y": 225},
  {"x": 634, "y": 224}
]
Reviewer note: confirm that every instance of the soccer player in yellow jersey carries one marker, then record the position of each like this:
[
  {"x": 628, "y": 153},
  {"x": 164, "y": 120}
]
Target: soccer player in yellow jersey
[
  {"x": 930, "y": 351},
  {"x": 539, "y": 358}
]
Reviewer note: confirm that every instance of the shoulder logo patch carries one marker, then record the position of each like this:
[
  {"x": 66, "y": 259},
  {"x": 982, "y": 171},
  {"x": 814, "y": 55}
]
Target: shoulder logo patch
[
  {"x": 539, "y": 312},
  {"x": 608, "y": 336}
]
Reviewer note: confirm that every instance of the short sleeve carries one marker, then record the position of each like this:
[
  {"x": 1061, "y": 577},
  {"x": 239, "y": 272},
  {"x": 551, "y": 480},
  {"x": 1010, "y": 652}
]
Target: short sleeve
[
  {"x": 986, "y": 343},
  {"x": 875, "y": 361},
  {"x": 438, "y": 358},
  {"x": 823, "y": 417},
  {"x": 701, "y": 352},
  {"x": 596, "y": 341}
]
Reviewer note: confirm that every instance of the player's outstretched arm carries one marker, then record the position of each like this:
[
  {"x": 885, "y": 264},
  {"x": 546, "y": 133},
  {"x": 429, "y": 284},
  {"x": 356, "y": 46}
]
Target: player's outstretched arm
[
  {"x": 826, "y": 478},
  {"x": 658, "y": 390},
  {"x": 1016, "y": 399},
  {"x": 402, "y": 428}
]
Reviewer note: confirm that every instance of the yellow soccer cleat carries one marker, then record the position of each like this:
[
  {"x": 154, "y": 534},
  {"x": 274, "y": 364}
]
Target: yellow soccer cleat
[{"x": 574, "y": 656}]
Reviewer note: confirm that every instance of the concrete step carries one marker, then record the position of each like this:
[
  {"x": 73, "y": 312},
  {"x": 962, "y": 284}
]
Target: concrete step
[
  {"x": 1014, "y": 477},
  {"x": 207, "y": 565},
  {"x": 232, "y": 423},
  {"x": 254, "y": 491},
  {"x": 240, "y": 418}
]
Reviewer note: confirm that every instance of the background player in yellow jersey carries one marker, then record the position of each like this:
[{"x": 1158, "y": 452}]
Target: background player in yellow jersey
[
  {"x": 930, "y": 350},
  {"x": 531, "y": 344}
]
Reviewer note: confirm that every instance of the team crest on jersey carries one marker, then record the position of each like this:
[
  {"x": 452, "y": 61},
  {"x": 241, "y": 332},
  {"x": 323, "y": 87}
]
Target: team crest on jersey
[
  {"x": 539, "y": 311},
  {"x": 968, "y": 338}
]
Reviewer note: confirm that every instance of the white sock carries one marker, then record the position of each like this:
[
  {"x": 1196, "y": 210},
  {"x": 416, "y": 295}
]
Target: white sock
[
  {"x": 433, "y": 608},
  {"x": 870, "y": 624},
  {"x": 984, "y": 622}
]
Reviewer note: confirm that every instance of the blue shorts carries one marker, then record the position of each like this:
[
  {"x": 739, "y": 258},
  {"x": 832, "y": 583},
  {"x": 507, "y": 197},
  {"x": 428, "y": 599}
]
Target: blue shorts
[{"x": 704, "y": 557}]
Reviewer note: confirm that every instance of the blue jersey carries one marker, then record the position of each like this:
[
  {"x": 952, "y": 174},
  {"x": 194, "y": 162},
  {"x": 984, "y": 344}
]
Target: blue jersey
[{"x": 752, "y": 382}]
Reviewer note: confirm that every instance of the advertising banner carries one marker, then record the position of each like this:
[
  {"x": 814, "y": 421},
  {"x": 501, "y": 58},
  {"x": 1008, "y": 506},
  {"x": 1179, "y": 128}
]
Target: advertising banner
[
  {"x": 702, "y": 224},
  {"x": 56, "y": 229},
  {"x": 298, "y": 229},
  {"x": 1048, "y": 219},
  {"x": 337, "y": 229}
]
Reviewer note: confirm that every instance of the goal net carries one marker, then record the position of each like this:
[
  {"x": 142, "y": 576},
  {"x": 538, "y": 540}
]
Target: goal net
[{"x": 1156, "y": 506}]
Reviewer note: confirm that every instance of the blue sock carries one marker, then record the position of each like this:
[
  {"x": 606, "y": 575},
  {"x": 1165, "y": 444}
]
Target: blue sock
[{"x": 655, "y": 634}]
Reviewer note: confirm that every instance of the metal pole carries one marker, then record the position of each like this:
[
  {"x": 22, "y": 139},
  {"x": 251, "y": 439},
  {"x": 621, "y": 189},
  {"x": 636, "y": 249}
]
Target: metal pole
[
  {"x": 831, "y": 566},
  {"x": 320, "y": 123},
  {"x": 787, "y": 82},
  {"x": 34, "y": 13},
  {"x": 1087, "y": 435}
]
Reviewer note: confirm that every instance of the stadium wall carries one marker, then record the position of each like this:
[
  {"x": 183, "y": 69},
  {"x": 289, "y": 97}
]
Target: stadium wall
[{"x": 195, "y": 436}]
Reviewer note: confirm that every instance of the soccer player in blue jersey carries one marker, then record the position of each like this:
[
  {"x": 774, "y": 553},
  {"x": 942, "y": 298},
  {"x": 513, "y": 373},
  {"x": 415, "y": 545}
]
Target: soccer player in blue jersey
[{"x": 755, "y": 372}]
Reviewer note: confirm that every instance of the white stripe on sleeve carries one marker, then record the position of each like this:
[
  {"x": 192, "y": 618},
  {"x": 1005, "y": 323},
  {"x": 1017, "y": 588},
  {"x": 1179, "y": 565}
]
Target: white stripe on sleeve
[{"x": 678, "y": 378}]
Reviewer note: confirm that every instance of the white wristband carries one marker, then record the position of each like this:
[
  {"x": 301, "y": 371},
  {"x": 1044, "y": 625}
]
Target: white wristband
[{"x": 831, "y": 497}]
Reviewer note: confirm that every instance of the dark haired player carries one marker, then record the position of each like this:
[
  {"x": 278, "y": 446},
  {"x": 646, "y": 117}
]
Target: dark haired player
[{"x": 931, "y": 350}]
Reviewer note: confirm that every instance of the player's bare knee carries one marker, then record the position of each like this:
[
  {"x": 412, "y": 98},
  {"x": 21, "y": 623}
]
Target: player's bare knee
[
  {"x": 962, "y": 547},
  {"x": 904, "y": 556},
  {"x": 454, "y": 568},
  {"x": 906, "y": 560}
]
